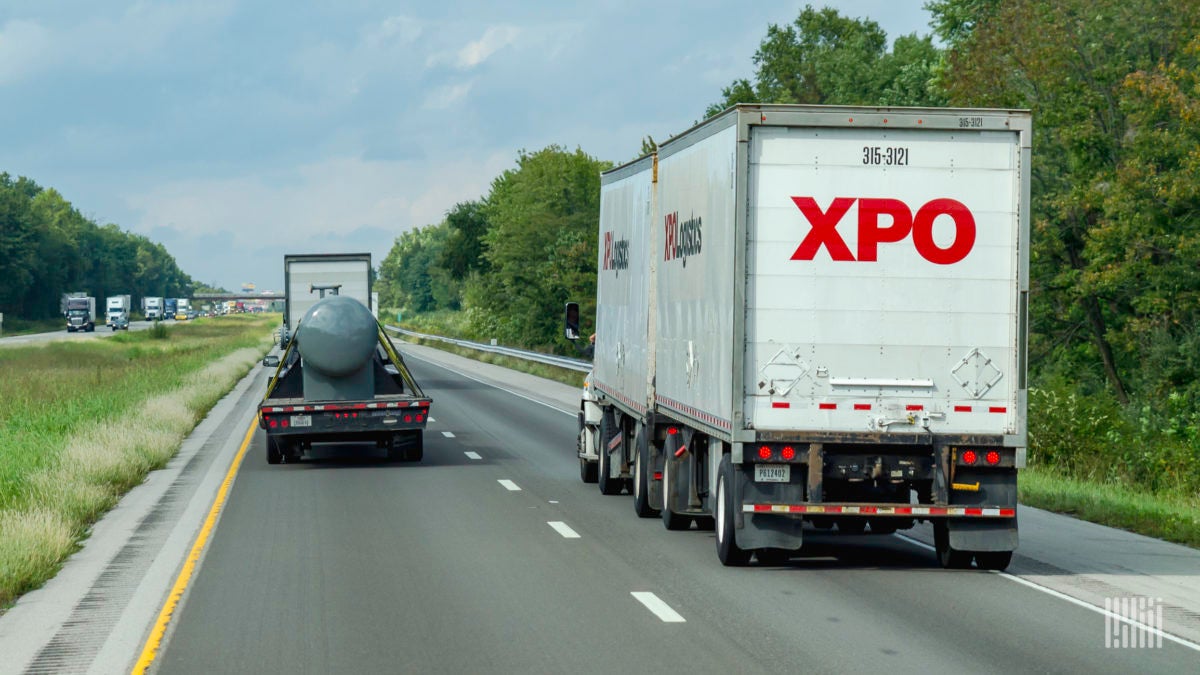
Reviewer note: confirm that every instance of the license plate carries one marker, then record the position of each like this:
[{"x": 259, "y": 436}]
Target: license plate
[
  {"x": 302, "y": 420},
  {"x": 772, "y": 473}
]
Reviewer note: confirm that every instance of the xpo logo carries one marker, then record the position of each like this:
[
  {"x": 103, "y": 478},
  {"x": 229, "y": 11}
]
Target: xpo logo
[{"x": 899, "y": 224}]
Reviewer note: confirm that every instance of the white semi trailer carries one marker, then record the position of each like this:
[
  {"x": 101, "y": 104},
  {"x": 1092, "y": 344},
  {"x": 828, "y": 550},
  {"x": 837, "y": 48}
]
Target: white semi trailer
[{"x": 817, "y": 314}]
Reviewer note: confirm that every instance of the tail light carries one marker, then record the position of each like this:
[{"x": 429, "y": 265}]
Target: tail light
[
  {"x": 969, "y": 457},
  {"x": 272, "y": 422},
  {"x": 671, "y": 431},
  {"x": 789, "y": 453},
  {"x": 993, "y": 457},
  {"x": 764, "y": 452}
]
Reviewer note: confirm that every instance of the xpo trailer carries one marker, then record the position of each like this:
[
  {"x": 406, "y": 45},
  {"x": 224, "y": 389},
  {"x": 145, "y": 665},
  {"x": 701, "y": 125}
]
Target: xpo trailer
[{"x": 817, "y": 314}]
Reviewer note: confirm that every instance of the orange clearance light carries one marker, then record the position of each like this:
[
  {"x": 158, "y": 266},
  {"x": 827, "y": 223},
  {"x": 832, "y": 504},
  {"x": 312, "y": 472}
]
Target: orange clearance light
[
  {"x": 764, "y": 452},
  {"x": 993, "y": 458},
  {"x": 789, "y": 452},
  {"x": 969, "y": 457}
]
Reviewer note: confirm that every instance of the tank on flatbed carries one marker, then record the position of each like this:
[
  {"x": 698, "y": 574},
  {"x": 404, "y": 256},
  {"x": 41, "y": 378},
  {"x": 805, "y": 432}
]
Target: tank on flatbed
[{"x": 342, "y": 380}]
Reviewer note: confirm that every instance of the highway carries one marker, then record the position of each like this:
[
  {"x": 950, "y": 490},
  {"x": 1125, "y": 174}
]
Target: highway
[
  {"x": 41, "y": 338},
  {"x": 491, "y": 556}
]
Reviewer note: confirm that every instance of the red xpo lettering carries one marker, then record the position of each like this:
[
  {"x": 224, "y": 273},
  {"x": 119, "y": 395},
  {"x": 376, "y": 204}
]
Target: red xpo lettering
[{"x": 874, "y": 230}]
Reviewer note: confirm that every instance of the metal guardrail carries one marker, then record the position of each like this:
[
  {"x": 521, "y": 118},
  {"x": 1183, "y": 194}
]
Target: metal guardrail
[{"x": 548, "y": 359}]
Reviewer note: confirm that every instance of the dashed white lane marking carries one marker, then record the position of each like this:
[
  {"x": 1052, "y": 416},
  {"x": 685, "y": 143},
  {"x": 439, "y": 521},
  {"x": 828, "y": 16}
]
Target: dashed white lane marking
[
  {"x": 661, "y": 609},
  {"x": 472, "y": 455},
  {"x": 448, "y": 434},
  {"x": 563, "y": 529},
  {"x": 509, "y": 485},
  {"x": 432, "y": 420},
  {"x": 1153, "y": 630},
  {"x": 553, "y": 501}
]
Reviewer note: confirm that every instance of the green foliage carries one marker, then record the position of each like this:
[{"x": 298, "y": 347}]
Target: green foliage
[
  {"x": 48, "y": 248},
  {"x": 824, "y": 57},
  {"x": 412, "y": 276}
]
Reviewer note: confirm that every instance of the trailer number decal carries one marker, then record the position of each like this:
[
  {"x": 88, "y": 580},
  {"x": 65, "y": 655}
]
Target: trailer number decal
[
  {"x": 885, "y": 156},
  {"x": 871, "y": 232},
  {"x": 772, "y": 473},
  {"x": 301, "y": 420}
]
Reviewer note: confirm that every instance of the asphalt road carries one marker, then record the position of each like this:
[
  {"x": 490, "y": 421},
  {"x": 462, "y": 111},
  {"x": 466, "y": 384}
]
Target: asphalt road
[
  {"x": 101, "y": 331},
  {"x": 349, "y": 564},
  {"x": 491, "y": 556}
]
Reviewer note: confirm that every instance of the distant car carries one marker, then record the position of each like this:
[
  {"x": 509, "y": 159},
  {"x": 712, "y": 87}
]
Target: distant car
[
  {"x": 181, "y": 316},
  {"x": 192, "y": 314},
  {"x": 118, "y": 323}
]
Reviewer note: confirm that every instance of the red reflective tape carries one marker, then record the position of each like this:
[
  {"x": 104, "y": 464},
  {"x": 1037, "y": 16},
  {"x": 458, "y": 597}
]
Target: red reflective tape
[
  {"x": 974, "y": 512},
  {"x": 904, "y": 510},
  {"x": 759, "y": 508},
  {"x": 868, "y": 509},
  {"x": 914, "y": 407},
  {"x": 937, "y": 511},
  {"x": 862, "y": 406},
  {"x": 796, "y": 509},
  {"x": 833, "y": 509},
  {"x": 780, "y": 404},
  {"x": 1008, "y": 513},
  {"x": 962, "y": 408},
  {"x": 827, "y": 406},
  {"x": 998, "y": 409}
]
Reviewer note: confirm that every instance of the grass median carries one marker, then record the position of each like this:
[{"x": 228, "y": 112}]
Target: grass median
[{"x": 85, "y": 420}]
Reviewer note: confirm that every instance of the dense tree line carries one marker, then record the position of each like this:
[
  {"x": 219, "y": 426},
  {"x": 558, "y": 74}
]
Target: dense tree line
[{"x": 47, "y": 248}]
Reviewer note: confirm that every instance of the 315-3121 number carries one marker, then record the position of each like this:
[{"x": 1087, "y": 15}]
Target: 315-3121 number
[{"x": 875, "y": 155}]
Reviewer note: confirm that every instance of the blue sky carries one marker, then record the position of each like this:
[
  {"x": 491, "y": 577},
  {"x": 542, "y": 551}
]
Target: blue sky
[{"x": 234, "y": 132}]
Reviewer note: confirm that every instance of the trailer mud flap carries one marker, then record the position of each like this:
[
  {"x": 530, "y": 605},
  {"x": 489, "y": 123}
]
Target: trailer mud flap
[
  {"x": 765, "y": 530},
  {"x": 983, "y": 535}
]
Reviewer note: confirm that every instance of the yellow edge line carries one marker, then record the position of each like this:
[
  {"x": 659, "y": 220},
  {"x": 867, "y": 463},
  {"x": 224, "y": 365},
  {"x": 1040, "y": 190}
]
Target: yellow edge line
[{"x": 150, "y": 650}]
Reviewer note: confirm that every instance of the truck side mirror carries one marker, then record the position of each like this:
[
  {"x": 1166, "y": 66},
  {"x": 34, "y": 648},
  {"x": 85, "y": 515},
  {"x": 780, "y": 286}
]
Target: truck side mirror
[
  {"x": 571, "y": 321},
  {"x": 271, "y": 361}
]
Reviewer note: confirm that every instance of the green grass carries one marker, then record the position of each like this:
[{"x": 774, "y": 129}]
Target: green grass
[
  {"x": 84, "y": 421},
  {"x": 1172, "y": 518}
]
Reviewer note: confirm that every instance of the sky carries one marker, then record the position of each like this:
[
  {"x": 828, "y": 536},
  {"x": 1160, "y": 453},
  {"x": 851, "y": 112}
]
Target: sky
[{"x": 236, "y": 131}]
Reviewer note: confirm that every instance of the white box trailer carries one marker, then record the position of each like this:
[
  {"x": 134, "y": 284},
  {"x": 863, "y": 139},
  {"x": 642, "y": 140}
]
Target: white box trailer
[
  {"x": 836, "y": 302},
  {"x": 307, "y": 277}
]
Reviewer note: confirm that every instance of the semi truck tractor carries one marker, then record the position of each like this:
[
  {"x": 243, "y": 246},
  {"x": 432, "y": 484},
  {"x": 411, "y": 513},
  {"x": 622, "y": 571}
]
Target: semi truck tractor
[
  {"x": 152, "y": 308},
  {"x": 340, "y": 378},
  {"x": 81, "y": 314},
  {"x": 170, "y": 307},
  {"x": 817, "y": 315},
  {"x": 116, "y": 312}
]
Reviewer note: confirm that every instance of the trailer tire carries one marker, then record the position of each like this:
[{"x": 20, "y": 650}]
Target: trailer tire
[
  {"x": 671, "y": 520},
  {"x": 729, "y": 553},
  {"x": 641, "y": 482},
  {"x": 608, "y": 484},
  {"x": 949, "y": 558},
  {"x": 993, "y": 560},
  {"x": 274, "y": 454}
]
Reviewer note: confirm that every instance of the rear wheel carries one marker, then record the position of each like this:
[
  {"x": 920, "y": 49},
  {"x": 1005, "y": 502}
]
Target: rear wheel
[
  {"x": 587, "y": 467},
  {"x": 671, "y": 520},
  {"x": 993, "y": 560},
  {"x": 642, "y": 477},
  {"x": 729, "y": 553},
  {"x": 949, "y": 558}
]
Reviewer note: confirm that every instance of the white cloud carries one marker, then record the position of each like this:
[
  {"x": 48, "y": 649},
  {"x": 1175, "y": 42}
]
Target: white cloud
[
  {"x": 307, "y": 207},
  {"x": 25, "y": 48},
  {"x": 446, "y": 96},
  {"x": 494, "y": 39}
]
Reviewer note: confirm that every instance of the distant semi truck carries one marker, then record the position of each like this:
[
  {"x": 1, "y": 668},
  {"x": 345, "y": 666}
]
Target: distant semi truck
[
  {"x": 170, "y": 307},
  {"x": 116, "y": 311},
  {"x": 81, "y": 314},
  {"x": 152, "y": 308}
]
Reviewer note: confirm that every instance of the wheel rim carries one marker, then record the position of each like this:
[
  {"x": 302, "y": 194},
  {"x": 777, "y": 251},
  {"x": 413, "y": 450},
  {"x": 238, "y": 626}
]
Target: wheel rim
[
  {"x": 666, "y": 489},
  {"x": 637, "y": 478}
]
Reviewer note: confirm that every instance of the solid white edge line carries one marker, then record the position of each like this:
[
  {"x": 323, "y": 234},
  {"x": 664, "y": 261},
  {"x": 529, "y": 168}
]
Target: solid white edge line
[
  {"x": 448, "y": 434},
  {"x": 511, "y": 486},
  {"x": 472, "y": 455},
  {"x": 1076, "y": 601},
  {"x": 660, "y": 609},
  {"x": 563, "y": 529},
  {"x": 572, "y": 413}
]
